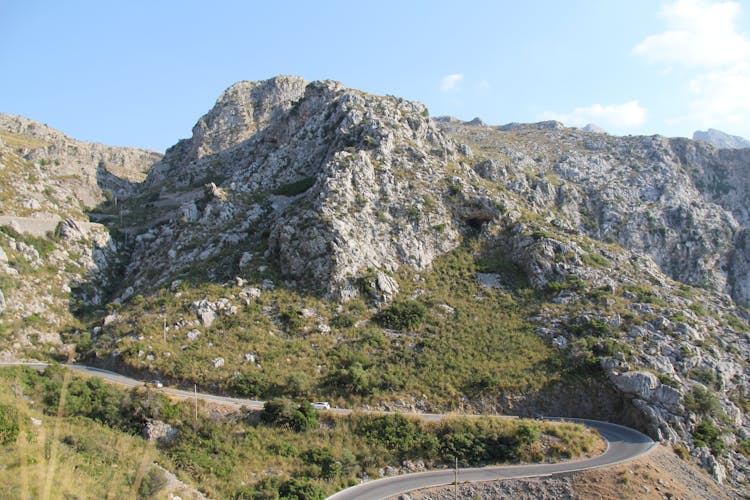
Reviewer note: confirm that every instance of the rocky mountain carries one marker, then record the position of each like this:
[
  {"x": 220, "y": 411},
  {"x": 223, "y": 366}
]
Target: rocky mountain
[
  {"x": 80, "y": 171},
  {"x": 315, "y": 240},
  {"x": 340, "y": 181},
  {"x": 721, "y": 139},
  {"x": 49, "y": 183}
]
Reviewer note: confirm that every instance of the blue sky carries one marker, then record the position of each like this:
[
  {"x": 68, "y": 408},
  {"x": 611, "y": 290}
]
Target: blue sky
[{"x": 141, "y": 73}]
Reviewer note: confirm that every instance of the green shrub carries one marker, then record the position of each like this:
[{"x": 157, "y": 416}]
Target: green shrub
[
  {"x": 737, "y": 324},
  {"x": 298, "y": 489},
  {"x": 292, "y": 320},
  {"x": 698, "y": 309},
  {"x": 705, "y": 376},
  {"x": 706, "y": 434},
  {"x": 397, "y": 433},
  {"x": 298, "y": 384},
  {"x": 8, "y": 424},
  {"x": 702, "y": 401},
  {"x": 281, "y": 412},
  {"x": 485, "y": 441},
  {"x": 402, "y": 315},
  {"x": 251, "y": 383},
  {"x": 153, "y": 482},
  {"x": 344, "y": 320},
  {"x": 595, "y": 260},
  {"x": 667, "y": 380},
  {"x": 571, "y": 282},
  {"x": 323, "y": 464},
  {"x": 354, "y": 379},
  {"x": 681, "y": 451},
  {"x": 591, "y": 327},
  {"x": 542, "y": 235}
]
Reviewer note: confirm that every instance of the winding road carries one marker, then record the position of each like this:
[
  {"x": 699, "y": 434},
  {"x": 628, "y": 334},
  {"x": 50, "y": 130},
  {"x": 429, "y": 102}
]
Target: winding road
[{"x": 623, "y": 444}]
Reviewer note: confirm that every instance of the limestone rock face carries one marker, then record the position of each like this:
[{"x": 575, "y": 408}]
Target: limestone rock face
[
  {"x": 81, "y": 170},
  {"x": 683, "y": 203},
  {"x": 349, "y": 181},
  {"x": 241, "y": 111},
  {"x": 646, "y": 386},
  {"x": 205, "y": 310}
]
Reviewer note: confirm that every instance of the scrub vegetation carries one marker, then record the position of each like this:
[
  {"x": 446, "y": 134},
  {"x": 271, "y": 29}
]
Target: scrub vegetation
[{"x": 87, "y": 438}]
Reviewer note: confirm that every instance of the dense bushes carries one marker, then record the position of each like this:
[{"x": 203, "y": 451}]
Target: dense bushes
[
  {"x": 323, "y": 464},
  {"x": 399, "y": 434},
  {"x": 8, "y": 424},
  {"x": 402, "y": 315},
  {"x": 481, "y": 441},
  {"x": 470, "y": 441},
  {"x": 281, "y": 412},
  {"x": 96, "y": 400},
  {"x": 706, "y": 434},
  {"x": 316, "y": 459}
]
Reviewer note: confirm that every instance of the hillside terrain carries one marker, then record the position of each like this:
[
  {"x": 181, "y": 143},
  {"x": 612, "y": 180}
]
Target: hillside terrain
[{"x": 318, "y": 242}]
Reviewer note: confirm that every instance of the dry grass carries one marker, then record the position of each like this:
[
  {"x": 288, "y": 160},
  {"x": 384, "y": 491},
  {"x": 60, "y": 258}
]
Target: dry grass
[
  {"x": 22, "y": 141},
  {"x": 657, "y": 475},
  {"x": 57, "y": 457}
]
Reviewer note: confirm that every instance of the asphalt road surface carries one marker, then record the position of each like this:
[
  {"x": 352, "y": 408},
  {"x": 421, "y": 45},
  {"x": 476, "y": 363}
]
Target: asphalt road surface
[{"x": 623, "y": 444}]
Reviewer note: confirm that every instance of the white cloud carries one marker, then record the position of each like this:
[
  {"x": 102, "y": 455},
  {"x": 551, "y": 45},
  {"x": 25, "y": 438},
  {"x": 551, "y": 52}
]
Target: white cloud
[
  {"x": 614, "y": 116},
  {"x": 720, "y": 97},
  {"x": 451, "y": 82},
  {"x": 484, "y": 85},
  {"x": 702, "y": 36},
  {"x": 699, "y": 34}
]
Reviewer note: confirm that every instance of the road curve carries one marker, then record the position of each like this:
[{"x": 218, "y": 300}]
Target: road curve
[{"x": 623, "y": 444}]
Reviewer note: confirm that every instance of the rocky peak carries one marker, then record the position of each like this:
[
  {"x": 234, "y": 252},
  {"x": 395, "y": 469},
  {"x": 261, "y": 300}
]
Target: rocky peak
[
  {"x": 592, "y": 127},
  {"x": 721, "y": 139},
  {"x": 239, "y": 113},
  {"x": 337, "y": 181}
]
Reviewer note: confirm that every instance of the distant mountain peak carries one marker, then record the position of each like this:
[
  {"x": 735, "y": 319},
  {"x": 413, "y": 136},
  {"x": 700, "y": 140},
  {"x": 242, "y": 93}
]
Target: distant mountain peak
[
  {"x": 545, "y": 125},
  {"x": 721, "y": 139},
  {"x": 592, "y": 127}
]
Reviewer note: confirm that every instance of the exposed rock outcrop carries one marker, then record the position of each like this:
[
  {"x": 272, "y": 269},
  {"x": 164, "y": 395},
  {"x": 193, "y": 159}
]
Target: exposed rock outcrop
[
  {"x": 721, "y": 139},
  {"x": 351, "y": 181}
]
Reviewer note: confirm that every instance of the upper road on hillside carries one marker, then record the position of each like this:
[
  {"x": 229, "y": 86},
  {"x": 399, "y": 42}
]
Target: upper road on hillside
[{"x": 623, "y": 444}]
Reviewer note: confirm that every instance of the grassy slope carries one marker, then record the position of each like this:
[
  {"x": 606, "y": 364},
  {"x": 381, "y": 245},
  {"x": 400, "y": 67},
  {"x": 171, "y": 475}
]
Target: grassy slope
[
  {"x": 472, "y": 341},
  {"x": 58, "y": 457}
]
